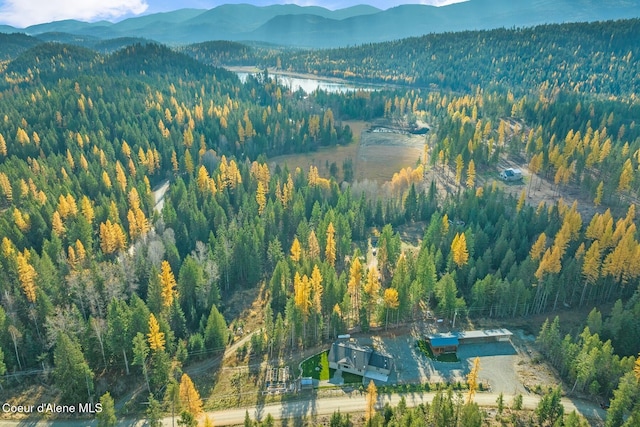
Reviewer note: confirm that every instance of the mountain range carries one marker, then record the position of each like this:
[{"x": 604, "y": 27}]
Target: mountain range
[{"x": 318, "y": 27}]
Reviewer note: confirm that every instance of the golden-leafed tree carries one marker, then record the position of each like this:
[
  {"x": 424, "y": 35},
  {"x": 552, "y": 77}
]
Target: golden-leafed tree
[
  {"x": 302, "y": 294},
  {"x": 203, "y": 179},
  {"x": 296, "y": 250},
  {"x": 121, "y": 177},
  {"x": 106, "y": 180},
  {"x": 372, "y": 399},
  {"x": 330, "y": 249},
  {"x": 538, "y": 247},
  {"x": 6, "y": 188},
  {"x": 189, "y": 396},
  {"x": 167, "y": 283},
  {"x": 445, "y": 224},
  {"x": 112, "y": 238},
  {"x": 459, "y": 249},
  {"x": 599, "y": 192},
  {"x": 3, "y": 146},
  {"x": 316, "y": 288},
  {"x": 372, "y": 287},
  {"x": 521, "y": 201},
  {"x": 26, "y": 276},
  {"x": 56, "y": 224},
  {"x": 21, "y": 220},
  {"x": 155, "y": 336},
  {"x": 472, "y": 379},
  {"x": 626, "y": 176},
  {"x": 261, "y": 197},
  {"x": 471, "y": 174},
  {"x": 174, "y": 162},
  {"x": 355, "y": 282},
  {"x": 87, "y": 209},
  {"x": 636, "y": 368},
  {"x": 391, "y": 301}
]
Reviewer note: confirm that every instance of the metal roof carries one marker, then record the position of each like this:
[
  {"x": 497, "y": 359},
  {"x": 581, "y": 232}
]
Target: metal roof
[
  {"x": 443, "y": 340},
  {"x": 487, "y": 333}
]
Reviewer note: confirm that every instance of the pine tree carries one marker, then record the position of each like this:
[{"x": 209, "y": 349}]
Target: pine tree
[
  {"x": 56, "y": 224},
  {"x": 71, "y": 374},
  {"x": 155, "y": 337},
  {"x": 168, "y": 284},
  {"x": 87, "y": 209},
  {"x": 189, "y": 396},
  {"x": 3, "y": 146},
  {"x": 107, "y": 417}
]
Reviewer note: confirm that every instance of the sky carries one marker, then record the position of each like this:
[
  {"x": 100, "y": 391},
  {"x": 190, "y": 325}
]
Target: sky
[{"x": 23, "y": 13}]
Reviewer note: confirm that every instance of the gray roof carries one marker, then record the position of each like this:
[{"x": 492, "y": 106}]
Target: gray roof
[{"x": 351, "y": 354}]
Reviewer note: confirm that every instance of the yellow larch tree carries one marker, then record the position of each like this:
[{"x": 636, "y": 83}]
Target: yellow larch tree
[
  {"x": 203, "y": 179},
  {"x": 106, "y": 180},
  {"x": 27, "y": 276},
  {"x": 538, "y": 247},
  {"x": 6, "y": 188},
  {"x": 521, "y": 201},
  {"x": 599, "y": 192},
  {"x": 330, "y": 249},
  {"x": 296, "y": 250},
  {"x": 121, "y": 177},
  {"x": 70, "y": 161},
  {"x": 57, "y": 225},
  {"x": 372, "y": 399},
  {"x": 316, "y": 288},
  {"x": 391, "y": 301},
  {"x": 636, "y": 368},
  {"x": 87, "y": 209},
  {"x": 261, "y": 198},
  {"x": 167, "y": 283},
  {"x": 459, "y": 167},
  {"x": 355, "y": 282},
  {"x": 155, "y": 336},
  {"x": 472, "y": 379},
  {"x": 189, "y": 396},
  {"x": 471, "y": 174},
  {"x": 21, "y": 220},
  {"x": 302, "y": 294},
  {"x": 459, "y": 249},
  {"x": 3, "y": 146},
  {"x": 626, "y": 176}
]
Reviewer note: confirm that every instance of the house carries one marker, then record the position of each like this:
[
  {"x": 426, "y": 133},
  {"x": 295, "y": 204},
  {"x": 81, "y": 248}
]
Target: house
[{"x": 349, "y": 356}]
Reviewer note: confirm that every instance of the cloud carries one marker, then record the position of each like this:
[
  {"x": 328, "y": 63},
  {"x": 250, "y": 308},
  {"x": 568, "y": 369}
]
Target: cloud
[{"x": 22, "y": 13}]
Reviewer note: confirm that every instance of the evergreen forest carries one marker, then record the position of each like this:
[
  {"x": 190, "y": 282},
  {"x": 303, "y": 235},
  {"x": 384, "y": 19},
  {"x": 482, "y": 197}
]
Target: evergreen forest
[{"x": 109, "y": 286}]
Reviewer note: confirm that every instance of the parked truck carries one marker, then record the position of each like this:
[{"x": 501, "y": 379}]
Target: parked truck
[{"x": 511, "y": 175}]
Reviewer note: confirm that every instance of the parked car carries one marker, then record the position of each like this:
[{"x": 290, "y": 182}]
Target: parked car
[{"x": 511, "y": 175}]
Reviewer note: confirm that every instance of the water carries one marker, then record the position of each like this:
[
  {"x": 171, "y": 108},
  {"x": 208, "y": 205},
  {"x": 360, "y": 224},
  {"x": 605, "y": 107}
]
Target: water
[{"x": 309, "y": 85}]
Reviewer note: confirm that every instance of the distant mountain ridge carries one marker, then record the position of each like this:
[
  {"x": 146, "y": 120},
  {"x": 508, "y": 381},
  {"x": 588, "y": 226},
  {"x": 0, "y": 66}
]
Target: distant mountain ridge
[{"x": 313, "y": 26}]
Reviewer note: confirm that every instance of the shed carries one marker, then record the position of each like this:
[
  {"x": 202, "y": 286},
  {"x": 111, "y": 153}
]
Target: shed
[{"x": 442, "y": 343}]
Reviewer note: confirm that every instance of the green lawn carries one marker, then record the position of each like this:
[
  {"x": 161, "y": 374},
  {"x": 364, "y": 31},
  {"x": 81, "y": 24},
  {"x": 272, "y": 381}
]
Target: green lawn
[{"x": 320, "y": 361}]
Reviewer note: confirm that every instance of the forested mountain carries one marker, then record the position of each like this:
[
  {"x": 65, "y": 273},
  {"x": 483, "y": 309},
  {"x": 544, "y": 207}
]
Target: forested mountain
[
  {"x": 107, "y": 290},
  {"x": 313, "y": 26},
  {"x": 599, "y": 58}
]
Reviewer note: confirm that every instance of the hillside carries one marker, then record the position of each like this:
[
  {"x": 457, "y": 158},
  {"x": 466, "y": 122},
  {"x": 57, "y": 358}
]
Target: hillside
[{"x": 314, "y": 26}]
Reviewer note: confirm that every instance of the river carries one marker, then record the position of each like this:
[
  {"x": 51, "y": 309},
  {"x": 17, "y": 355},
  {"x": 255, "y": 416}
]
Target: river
[{"x": 308, "y": 84}]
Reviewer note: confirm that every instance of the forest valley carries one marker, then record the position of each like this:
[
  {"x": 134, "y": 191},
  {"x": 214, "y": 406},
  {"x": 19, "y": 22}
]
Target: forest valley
[{"x": 101, "y": 294}]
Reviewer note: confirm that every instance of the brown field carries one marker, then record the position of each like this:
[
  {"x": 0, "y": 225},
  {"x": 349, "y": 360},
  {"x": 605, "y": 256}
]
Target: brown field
[{"x": 375, "y": 156}]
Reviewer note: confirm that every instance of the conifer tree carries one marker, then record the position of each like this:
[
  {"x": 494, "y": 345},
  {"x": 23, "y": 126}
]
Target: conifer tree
[
  {"x": 459, "y": 249},
  {"x": 295, "y": 250},
  {"x": 330, "y": 250},
  {"x": 27, "y": 276},
  {"x": 167, "y": 283},
  {"x": 155, "y": 336},
  {"x": 189, "y": 396},
  {"x": 472, "y": 379},
  {"x": 372, "y": 399}
]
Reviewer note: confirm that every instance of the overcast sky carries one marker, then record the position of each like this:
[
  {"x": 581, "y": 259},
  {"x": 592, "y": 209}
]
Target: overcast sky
[{"x": 22, "y": 13}]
